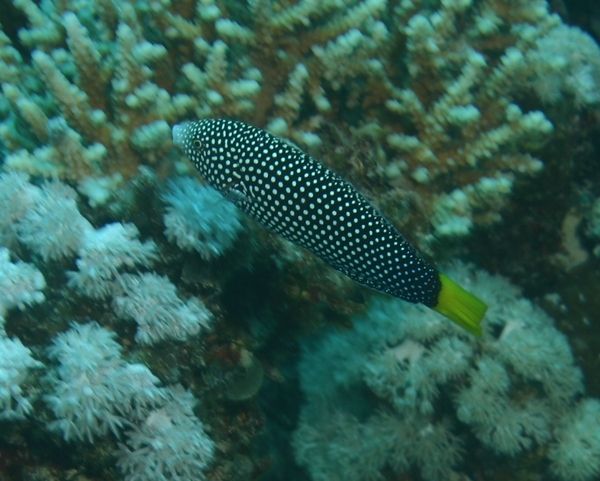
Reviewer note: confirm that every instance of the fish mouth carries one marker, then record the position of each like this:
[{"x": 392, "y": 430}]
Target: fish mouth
[{"x": 178, "y": 135}]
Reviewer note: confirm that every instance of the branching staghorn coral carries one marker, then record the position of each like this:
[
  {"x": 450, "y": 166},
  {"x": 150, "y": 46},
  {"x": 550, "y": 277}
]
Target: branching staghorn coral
[
  {"x": 446, "y": 85},
  {"x": 94, "y": 106},
  {"x": 102, "y": 104}
]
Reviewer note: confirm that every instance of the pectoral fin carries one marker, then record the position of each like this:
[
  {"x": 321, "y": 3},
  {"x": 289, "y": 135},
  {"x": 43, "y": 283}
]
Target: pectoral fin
[{"x": 237, "y": 192}]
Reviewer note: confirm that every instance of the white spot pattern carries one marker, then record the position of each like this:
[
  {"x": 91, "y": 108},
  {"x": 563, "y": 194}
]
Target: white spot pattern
[{"x": 302, "y": 200}]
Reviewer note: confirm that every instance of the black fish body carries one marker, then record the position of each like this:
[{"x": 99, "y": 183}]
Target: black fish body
[{"x": 294, "y": 195}]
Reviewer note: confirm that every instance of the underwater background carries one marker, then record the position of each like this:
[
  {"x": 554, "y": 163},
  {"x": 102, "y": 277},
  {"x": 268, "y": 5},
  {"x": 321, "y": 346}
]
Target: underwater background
[{"x": 149, "y": 330}]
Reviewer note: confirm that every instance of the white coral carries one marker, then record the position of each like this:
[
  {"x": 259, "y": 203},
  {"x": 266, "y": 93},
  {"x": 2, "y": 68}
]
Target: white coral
[
  {"x": 152, "y": 301},
  {"x": 103, "y": 253},
  {"x": 96, "y": 391},
  {"x": 16, "y": 196},
  {"x": 170, "y": 443},
  {"x": 566, "y": 60},
  {"x": 21, "y": 284},
  {"x": 576, "y": 455},
  {"x": 516, "y": 383},
  {"x": 199, "y": 218},
  {"x": 53, "y": 226},
  {"x": 15, "y": 363}
]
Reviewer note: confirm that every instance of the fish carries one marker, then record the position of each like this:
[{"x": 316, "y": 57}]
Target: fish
[{"x": 294, "y": 195}]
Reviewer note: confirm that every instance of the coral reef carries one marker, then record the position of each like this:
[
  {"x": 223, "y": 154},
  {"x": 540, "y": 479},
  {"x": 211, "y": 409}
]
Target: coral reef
[
  {"x": 53, "y": 226},
  {"x": 576, "y": 455},
  {"x": 199, "y": 218},
  {"x": 15, "y": 362},
  {"x": 444, "y": 82},
  {"x": 148, "y": 330},
  {"x": 169, "y": 443},
  {"x": 103, "y": 253},
  {"x": 160, "y": 314},
  {"x": 401, "y": 364},
  {"x": 21, "y": 284},
  {"x": 95, "y": 390}
]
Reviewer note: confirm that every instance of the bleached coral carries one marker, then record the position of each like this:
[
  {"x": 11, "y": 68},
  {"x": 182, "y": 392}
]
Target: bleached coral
[
  {"x": 336, "y": 446},
  {"x": 152, "y": 301},
  {"x": 331, "y": 450},
  {"x": 566, "y": 61},
  {"x": 99, "y": 189},
  {"x": 494, "y": 148},
  {"x": 169, "y": 443},
  {"x": 199, "y": 218},
  {"x": 443, "y": 80},
  {"x": 576, "y": 454},
  {"x": 53, "y": 226},
  {"x": 453, "y": 213},
  {"x": 48, "y": 220},
  {"x": 379, "y": 358},
  {"x": 15, "y": 362},
  {"x": 503, "y": 424},
  {"x": 511, "y": 387},
  {"x": 95, "y": 390},
  {"x": 103, "y": 253},
  {"x": 17, "y": 195},
  {"x": 21, "y": 285},
  {"x": 102, "y": 87}
]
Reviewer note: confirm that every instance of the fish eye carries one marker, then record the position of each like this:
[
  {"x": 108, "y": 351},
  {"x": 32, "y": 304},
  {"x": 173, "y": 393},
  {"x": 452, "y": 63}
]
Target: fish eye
[{"x": 196, "y": 143}]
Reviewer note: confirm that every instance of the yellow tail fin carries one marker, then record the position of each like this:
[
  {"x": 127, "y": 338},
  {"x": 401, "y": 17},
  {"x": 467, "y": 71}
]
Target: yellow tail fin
[{"x": 460, "y": 306}]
